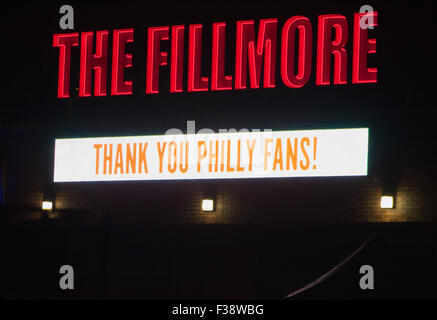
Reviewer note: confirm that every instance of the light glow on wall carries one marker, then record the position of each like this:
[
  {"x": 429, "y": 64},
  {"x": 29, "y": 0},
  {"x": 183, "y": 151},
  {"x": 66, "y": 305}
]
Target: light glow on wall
[{"x": 281, "y": 154}]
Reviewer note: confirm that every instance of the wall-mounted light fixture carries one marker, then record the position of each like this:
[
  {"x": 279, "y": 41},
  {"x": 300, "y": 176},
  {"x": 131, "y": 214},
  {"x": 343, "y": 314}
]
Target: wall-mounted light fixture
[
  {"x": 209, "y": 199},
  {"x": 47, "y": 206},
  {"x": 208, "y": 205},
  {"x": 48, "y": 200},
  {"x": 388, "y": 197},
  {"x": 387, "y": 202}
]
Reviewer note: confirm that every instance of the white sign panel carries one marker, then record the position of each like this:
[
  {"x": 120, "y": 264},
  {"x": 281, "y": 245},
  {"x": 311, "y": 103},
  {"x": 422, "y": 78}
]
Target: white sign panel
[{"x": 309, "y": 153}]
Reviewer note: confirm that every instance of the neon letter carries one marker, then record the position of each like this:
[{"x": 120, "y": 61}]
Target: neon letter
[
  {"x": 155, "y": 57},
  {"x": 362, "y": 47},
  {"x": 90, "y": 61},
  {"x": 326, "y": 47},
  {"x": 218, "y": 79},
  {"x": 121, "y": 61},
  {"x": 177, "y": 59},
  {"x": 195, "y": 81},
  {"x": 289, "y": 76},
  {"x": 246, "y": 47},
  {"x": 65, "y": 42}
]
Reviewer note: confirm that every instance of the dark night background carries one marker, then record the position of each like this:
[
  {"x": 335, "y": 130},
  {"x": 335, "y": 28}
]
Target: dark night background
[{"x": 267, "y": 237}]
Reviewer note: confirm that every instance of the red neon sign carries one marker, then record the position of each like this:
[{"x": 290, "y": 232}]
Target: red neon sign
[{"x": 255, "y": 56}]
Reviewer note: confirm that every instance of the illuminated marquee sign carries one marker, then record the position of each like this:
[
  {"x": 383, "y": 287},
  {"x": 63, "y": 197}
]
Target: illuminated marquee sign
[
  {"x": 311, "y": 153},
  {"x": 255, "y": 56}
]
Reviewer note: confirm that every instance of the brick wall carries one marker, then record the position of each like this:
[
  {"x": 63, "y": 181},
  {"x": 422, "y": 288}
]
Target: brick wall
[{"x": 346, "y": 199}]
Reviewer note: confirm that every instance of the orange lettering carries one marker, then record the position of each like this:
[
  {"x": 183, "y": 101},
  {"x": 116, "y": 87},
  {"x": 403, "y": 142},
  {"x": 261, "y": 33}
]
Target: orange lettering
[
  {"x": 266, "y": 152},
  {"x": 185, "y": 168},
  {"x": 213, "y": 155},
  {"x": 278, "y": 155},
  {"x": 97, "y": 147},
  {"x": 200, "y": 155},
  {"x": 291, "y": 155},
  {"x": 107, "y": 158},
  {"x": 222, "y": 161},
  {"x": 143, "y": 159},
  {"x": 305, "y": 154},
  {"x": 131, "y": 158},
  {"x": 228, "y": 165},
  {"x": 238, "y": 157},
  {"x": 172, "y": 168},
  {"x": 119, "y": 159},
  {"x": 161, "y": 155},
  {"x": 250, "y": 148}
]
